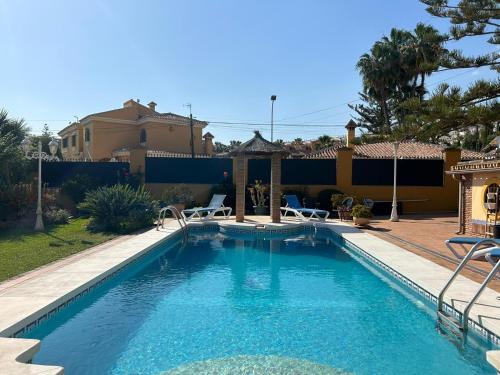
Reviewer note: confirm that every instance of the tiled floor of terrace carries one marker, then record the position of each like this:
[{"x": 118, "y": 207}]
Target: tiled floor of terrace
[{"x": 424, "y": 235}]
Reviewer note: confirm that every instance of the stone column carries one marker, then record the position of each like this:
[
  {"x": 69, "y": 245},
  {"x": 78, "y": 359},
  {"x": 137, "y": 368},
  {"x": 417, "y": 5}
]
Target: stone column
[
  {"x": 344, "y": 170},
  {"x": 275, "y": 188},
  {"x": 240, "y": 188}
]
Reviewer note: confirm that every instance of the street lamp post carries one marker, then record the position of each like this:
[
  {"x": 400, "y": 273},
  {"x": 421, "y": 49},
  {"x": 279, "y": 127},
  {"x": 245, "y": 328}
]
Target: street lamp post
[
  {"x": 394, "y": 212},
  {"x": 273, "y": 98},
  {"x": 26, "y": 146}
]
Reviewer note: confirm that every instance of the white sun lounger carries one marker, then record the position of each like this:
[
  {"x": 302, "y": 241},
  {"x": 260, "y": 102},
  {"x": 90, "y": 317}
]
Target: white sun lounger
[
  {"x": 216, "y": 205},
  {"x": 293, "y": 205}
]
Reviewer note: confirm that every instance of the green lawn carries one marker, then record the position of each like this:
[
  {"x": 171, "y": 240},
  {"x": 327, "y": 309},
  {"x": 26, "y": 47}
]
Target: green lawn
[{"x": 22, "y": 250}]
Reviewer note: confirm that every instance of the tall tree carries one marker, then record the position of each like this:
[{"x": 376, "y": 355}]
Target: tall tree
[
  {"x": 469, "y": 18},
  {"x": 395, "y": 71},
  {"x": 12, "y": 163}
]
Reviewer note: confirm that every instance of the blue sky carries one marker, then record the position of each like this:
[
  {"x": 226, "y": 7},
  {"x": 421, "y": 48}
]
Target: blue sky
[{"x": 63, "y": 59}]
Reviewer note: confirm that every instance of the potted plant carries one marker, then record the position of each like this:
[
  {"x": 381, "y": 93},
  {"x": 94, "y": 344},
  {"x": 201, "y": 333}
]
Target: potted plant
[
  {"x": 178, "y": 196},
  {"x": 259, "y": 196},
  {"x": 361, "y": 215}
]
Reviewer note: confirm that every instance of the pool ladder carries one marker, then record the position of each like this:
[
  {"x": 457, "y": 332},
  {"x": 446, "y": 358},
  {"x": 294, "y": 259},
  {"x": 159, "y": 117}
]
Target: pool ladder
[
  {"x": 176, "y": 214},
  {"x": 459, "y": 326}
]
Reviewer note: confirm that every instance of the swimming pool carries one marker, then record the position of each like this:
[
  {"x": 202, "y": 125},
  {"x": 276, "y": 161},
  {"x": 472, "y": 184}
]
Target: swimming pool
[{"x": 299, "y": 302}]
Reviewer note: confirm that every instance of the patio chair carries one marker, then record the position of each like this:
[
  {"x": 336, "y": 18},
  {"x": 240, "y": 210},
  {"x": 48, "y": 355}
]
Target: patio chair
[
  {"x": 368, "y": 203},
  {"x": 345, "y": 208},
  {"x": 489, "y": 252},
  {"x": 216, "y": 205},
  {"x": 293, "y": 205}
]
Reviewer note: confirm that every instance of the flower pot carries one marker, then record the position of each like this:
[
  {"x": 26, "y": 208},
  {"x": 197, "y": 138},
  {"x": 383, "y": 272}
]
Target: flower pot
[
  {"x": 179, "y": 206},
  {"x": 261, "y": 210},
  {"x": 361, "y": 221}
]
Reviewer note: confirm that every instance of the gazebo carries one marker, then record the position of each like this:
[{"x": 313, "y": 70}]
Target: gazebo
[{"x": 258, "y": 148}]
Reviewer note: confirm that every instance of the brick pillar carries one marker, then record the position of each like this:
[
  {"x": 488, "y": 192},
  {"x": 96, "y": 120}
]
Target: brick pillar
[
  {"x": 240, "y": 188},
  {"x": 467, "y": 204},
  {"x": 344, "y": 169},
  {"x": 137, "y": 160},
  {"x": 275, "y": 188}
]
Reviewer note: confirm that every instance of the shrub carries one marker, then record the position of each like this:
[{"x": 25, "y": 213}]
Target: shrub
[
  {"x": 177, "y": 194},
  {"x": 361, "y": 211},
  {"x": 119, "y": 208},
  {"x": 78, "y": 185},
  {"x": 56, "y": 216},
  {"x": 16, "y": 201},
  {"x": 325, "y": 198}
]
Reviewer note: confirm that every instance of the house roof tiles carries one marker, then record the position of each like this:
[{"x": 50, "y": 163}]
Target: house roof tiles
[{"x": 385, "y": 150}]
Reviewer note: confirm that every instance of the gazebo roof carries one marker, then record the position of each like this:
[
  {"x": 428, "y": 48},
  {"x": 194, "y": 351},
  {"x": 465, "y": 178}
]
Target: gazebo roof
[{"x": 258, "y": 146}]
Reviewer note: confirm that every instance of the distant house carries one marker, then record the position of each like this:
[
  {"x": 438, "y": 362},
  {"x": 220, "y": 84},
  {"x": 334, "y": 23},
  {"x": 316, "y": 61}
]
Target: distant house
[
  {"x": 385, "y": 150},
  {"x": 112, "y": 134}
]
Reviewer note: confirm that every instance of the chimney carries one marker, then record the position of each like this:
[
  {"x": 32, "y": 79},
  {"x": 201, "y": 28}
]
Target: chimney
[
  {"x": 152, "y": 106},
  {"x": 208, "y": 144},
  {"x": 351, "y": 132}
]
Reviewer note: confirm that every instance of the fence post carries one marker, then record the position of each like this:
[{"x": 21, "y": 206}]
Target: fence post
[
  {"x": 138, "y": 162},
  {"x": 344, "y": 169}
]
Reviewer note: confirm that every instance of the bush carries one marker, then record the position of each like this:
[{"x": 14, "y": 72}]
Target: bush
[
  {"x": 16, "y": 201},
  {"x": 56, "y": 216},
  {"x": 361, "y": 211},
  {"x": 177, "y": 194},
  {"x": 78, "y": 185},
  {"x": 325, "y": 198},
  {"x": 119, "y": 208}
]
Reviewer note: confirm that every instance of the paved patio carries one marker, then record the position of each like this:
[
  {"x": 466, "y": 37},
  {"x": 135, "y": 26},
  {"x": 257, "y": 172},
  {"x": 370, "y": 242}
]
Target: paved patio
[{"x": 424, "y": 235}]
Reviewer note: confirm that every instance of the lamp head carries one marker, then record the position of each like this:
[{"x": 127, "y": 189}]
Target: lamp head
[
  {"x": 26, "y": 145},
  {"x": 53, "y": 145},
  {"x": 273, "y": 98}
]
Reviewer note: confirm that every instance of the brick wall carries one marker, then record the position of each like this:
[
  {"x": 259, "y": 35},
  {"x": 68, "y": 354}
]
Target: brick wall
[{"x": 467, "y": 185}]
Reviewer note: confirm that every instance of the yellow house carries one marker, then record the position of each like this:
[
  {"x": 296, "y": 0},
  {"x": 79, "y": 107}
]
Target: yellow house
[
  {"x": 112, "y": 134},
  {"x": 478, "y": 193}
]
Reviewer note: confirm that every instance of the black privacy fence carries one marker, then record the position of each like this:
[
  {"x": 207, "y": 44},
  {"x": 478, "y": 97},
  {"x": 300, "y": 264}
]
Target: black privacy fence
[
  {"x": 105, "y": 173},
  {"x": 409, "y": 172},
  {"x": 188, "y": 171},
  {"x": 295, "y": 171}
]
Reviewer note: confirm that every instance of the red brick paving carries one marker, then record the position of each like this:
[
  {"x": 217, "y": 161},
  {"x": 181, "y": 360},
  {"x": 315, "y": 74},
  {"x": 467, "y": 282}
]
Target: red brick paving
[{"x": 428, "y": 232}]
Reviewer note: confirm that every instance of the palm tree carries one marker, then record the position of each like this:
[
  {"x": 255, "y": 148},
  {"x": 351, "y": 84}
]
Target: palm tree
[{"x": 12, "y": 132}]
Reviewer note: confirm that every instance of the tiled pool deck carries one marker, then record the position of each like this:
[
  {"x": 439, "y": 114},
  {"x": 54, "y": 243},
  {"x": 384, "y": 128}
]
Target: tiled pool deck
[{"x": 30, "y": 298}]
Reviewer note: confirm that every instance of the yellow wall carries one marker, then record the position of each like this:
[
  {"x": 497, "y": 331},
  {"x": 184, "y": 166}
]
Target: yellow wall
[
  {"x": 173, "y": 138},
  {"x": 201, "y": 192},
  {"x": 480, "y": 182}
]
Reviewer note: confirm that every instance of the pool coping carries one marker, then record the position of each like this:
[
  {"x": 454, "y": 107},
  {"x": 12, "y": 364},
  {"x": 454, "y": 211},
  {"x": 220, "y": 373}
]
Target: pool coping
[{"x": 26, "y": 304}]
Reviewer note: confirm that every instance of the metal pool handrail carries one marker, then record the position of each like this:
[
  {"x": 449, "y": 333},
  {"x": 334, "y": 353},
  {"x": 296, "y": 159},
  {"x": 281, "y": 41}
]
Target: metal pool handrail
[
  {"x": 476, "y": 247},
  {"x": 175, "y": 213}
]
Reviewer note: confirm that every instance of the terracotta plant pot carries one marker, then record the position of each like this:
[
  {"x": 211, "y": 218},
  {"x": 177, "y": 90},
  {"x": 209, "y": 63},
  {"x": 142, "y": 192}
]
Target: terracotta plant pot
[
  {"x": 180, "y": 206},
  {"x": 361, "y": 221}
]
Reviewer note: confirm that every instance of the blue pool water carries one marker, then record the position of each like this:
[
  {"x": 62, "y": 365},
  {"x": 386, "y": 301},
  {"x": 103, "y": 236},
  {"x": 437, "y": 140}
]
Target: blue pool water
[{"x": 302, "y": 304}]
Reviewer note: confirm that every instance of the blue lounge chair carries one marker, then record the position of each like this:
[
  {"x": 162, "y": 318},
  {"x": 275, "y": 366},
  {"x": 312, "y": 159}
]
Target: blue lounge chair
[
  {"x": 293, "y": 205},
  {"x": 215, "y": 205},
  {"x": 488, "y": 252}
]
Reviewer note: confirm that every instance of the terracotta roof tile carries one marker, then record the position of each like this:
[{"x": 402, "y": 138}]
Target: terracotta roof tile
[{"x": 385, "y": 150}]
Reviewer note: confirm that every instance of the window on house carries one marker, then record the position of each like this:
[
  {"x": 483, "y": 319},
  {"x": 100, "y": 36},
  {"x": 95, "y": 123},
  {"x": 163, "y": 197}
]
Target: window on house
[
  {"x": 73, "y": 140},
  {"x": 87, "y": 135},
  {"x": 143, "y": 136},
  {"x": 65, "y": 142}
]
